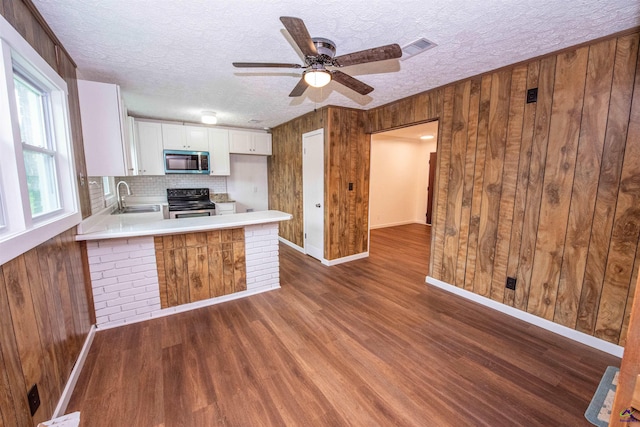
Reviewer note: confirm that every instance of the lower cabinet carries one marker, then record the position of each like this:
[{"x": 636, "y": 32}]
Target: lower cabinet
[
  {"x": 198, "y": 266},
  {"x": 225, "y": 208}
]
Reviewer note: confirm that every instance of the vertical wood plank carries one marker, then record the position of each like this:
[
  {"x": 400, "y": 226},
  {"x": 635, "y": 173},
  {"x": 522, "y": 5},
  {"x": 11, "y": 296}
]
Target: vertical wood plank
[
  {"x": 8, "y": 416},
  {"x": 624, "y": 334},
  {"x": 12, "y": 362},
  {"x": 442, "y": 182},
  {"x": 536, "y": 176},
  {"x": 524, "y": 163},
  {"x": 86, "y": 275},
  {"x": 611, "y": 168},
  {"x": 558, "y": 180},
  {"x": 469, "y": 173},
  {"x": 239, "y": 269},
  {"x": 492, "y": 182},
  {"x": 26, "y": 332},
  {"x": 216, "y": 270},
  {"x": 459, "y": 120},
  {"x": 585, "y": 183},
  {"x": 509, "y": 181},
  {"x": 43, "y": 314},
  {"x": 198, "y": 271},
  {"x": 182, "y": 273},
  {"x": 171, "y": 275},
  {"x": 227, "y": 268},
  {"x": 478, "y": 181},
  {"x": 625, "y": 232}
]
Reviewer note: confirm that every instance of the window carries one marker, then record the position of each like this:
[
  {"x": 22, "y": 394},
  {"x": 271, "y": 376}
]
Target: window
[
  {"x": 37, "y": 144},
  {"x": 108, "y": 189},
  {"x": 38, "y": 195}
]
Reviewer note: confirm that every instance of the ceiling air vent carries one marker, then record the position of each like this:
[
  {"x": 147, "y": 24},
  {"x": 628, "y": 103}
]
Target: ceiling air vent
[{"x": 416, "y": 47}]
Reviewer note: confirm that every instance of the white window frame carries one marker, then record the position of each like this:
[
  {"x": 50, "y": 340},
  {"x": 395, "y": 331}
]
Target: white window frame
[
  {"x": 23, "y": 232},
  {"x": 110, "y": 194}
]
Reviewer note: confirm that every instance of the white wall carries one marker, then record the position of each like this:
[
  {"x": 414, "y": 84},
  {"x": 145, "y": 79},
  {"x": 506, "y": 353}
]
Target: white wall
[
  {"x": 247, "y": 184},
  {"x": 399, "y": 180}
]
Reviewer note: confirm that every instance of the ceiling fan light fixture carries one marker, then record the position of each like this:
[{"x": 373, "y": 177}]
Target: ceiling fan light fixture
[
  {"x": 317, "y": 78},
  {"x": 209, "y": 118}
]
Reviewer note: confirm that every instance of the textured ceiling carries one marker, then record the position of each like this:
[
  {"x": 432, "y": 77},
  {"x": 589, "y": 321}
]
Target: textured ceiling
[{"x": 172, "y": 59}]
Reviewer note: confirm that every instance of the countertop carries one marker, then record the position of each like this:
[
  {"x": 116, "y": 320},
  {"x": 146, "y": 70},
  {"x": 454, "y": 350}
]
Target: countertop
[{"x": 105, "y": 226}]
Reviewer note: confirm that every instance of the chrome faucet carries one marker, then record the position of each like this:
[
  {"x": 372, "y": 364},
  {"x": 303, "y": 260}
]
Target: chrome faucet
[{"x": 120, "y": 200}]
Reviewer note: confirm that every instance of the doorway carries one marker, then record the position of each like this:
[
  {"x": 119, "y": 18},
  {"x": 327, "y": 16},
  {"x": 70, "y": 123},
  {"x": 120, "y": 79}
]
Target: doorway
[
  {"x": 313, "y": 193},
  {"x": 399, "y": 175}
]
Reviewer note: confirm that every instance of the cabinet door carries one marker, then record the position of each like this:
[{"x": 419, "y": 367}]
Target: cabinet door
[
  {"x": 219, "y": 161},
  {"x": 150, "y": 157},
  {"x": 174, "y": 137},
  {"x": 240, "y": 142},
  {"x": 262, "y": 144},
  {"x": 101, "y": 128},
  {"x": 197, "y": 139}
]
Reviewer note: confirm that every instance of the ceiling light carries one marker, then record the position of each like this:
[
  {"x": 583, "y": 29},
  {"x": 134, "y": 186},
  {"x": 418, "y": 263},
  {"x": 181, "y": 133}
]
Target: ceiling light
[
  {"x": 209, "y": 118},
  {"x": 317, "y": 78},
  {"x": 427, "y": 136}
]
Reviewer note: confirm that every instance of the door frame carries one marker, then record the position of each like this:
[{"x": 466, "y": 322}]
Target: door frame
[{"x": 304, "y": 191}]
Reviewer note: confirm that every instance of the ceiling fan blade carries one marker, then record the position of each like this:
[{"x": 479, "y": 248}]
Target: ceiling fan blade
[
  {"x": 264, "y": 65},
  {"x": 350, "y": 82},
  {"x": 299, "y": 33},
  {"x": 300, "y": 88},
  {"x": 390, "y": 51}
]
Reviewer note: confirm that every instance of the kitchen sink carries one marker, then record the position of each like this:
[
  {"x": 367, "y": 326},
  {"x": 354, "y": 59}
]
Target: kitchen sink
[{"x": 137, "y": 209}]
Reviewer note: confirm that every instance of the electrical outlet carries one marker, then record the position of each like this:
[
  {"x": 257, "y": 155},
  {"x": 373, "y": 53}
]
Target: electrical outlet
[
  {"x": 351, "y": 186},
  {"x": 532, "y": 95},
  {"x": 511, "y": 283},
  {"x": 34, "y": 399}
]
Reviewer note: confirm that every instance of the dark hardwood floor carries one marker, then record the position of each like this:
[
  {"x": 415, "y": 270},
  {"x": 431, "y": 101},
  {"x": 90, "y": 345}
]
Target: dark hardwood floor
[{"x": 366, "y": 343}]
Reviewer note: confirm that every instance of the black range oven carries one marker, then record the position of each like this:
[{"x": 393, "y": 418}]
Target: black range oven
[{"x": 189, "y": 202}]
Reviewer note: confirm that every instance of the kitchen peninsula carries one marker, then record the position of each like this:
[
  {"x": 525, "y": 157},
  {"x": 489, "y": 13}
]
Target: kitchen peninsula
[{"x": 143, "y": 266}]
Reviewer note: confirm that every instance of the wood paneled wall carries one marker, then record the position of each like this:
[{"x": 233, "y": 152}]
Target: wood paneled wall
[
  {"x": 197, "y": 266},
  {"x": 545, "y": 192},
  {"x": 346, "y": 161},
  {"x": 44, "y": 315},
  {"x": 44, "y": 321},
  {"x": 285, "y": 171}
]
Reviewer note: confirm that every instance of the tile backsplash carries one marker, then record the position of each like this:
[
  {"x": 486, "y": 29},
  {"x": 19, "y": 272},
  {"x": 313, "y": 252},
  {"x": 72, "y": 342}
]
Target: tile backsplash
[
  {"x": 144, "y": 186},
  {"x": 155, "y": 186}
]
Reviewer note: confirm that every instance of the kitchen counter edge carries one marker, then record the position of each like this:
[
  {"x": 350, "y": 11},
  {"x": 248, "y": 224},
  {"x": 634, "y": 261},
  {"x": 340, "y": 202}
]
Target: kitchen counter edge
[{"x": 119, "y": 226}]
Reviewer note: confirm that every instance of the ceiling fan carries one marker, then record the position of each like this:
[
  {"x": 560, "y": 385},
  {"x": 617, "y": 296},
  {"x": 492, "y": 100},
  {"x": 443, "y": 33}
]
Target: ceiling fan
[{"x": 319, "y": 53}]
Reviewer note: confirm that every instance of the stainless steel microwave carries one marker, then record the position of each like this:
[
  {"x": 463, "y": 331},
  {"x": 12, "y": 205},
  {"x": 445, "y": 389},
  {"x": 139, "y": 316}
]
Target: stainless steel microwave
[{"x": 178, "y": 161}]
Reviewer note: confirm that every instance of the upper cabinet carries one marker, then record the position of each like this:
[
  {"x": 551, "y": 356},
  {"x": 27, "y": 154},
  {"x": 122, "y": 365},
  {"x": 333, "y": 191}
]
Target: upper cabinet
[
  {"x": 246, "y": 142},
  {"x": 149, "y": 148},
  {"x": 219, "y": 161},
  {"x": 180, "y": 137},
  {"x": 103, "y": 129}
]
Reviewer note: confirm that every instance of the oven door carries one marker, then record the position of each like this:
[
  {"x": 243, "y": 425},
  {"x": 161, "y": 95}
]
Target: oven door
[{"x": 191, "y": 214}]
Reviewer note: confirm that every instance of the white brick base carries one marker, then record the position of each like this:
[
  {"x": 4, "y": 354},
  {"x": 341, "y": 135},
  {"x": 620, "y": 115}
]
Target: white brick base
[
  {"x": 124, "y": 277},
  {"x": 262, "y": 256}
]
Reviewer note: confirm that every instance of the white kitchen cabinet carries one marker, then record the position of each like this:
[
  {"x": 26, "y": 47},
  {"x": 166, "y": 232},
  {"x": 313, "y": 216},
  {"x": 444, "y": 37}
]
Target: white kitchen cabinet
[
  {"x": 245, "y": 142},
  {"x": 262, "y": 144},
  {"x": 219, "y": 159},
  {"x": 149, "y": 148},
  {"x": 197, "y": 138},
  {"x": 225, "y": 208},
  {"x": 103, "y": 133},
  {"x": 180, "y": 137}
]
